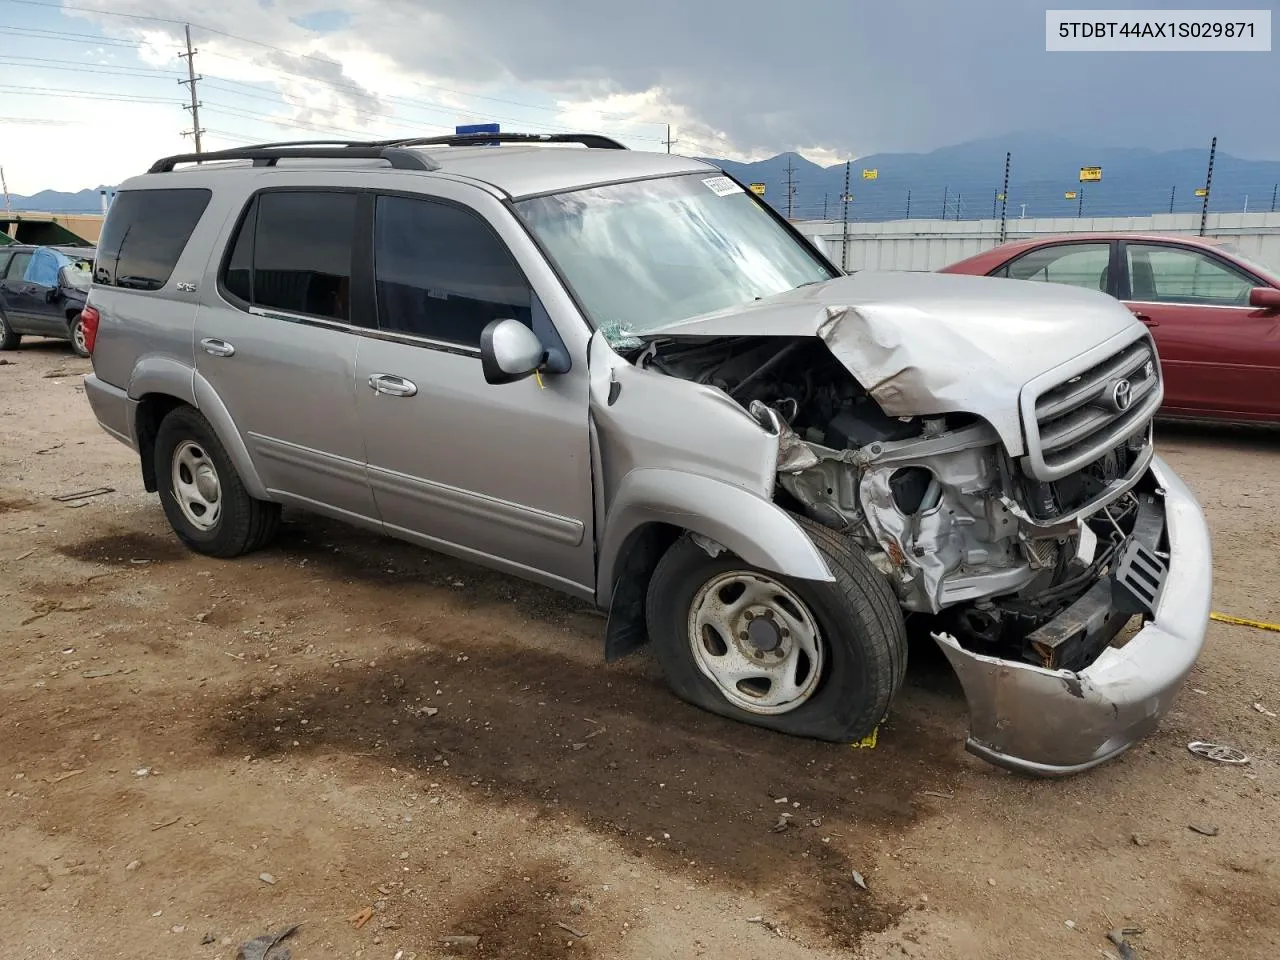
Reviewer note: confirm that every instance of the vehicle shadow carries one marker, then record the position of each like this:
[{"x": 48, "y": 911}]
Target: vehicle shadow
[
  {"x": 1205, "y": 433},
  {"x": 608, "y": 746}
]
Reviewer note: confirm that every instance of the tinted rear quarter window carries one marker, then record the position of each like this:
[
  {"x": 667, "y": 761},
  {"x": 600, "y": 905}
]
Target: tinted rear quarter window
[{"x": 145, "y": 234}]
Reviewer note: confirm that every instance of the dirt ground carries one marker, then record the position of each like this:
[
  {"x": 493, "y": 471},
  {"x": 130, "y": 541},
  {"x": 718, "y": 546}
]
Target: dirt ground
[{"x": 197, "y": 752}]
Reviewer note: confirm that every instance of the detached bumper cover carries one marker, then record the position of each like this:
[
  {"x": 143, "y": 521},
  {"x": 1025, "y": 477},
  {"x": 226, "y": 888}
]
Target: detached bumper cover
[{"x": 1059, "y": 722}]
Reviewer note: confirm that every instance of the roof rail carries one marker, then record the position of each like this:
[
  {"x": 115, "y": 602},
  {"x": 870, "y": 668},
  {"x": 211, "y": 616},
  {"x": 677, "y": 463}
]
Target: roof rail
[
  {"x": 593, "y": 140},
  {"x": 398, "y": 153},
  {"x": 267, "y": 154}
]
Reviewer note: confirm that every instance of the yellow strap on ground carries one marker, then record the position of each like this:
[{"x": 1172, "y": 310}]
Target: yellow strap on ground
[
  {"x": 1241, "y": 622},
  {"x": 869, "y": 741}
]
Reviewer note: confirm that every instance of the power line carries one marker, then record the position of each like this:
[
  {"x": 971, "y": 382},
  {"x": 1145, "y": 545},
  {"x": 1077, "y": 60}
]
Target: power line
[
  {"x": 57, "y": 92},
  {"x": 327, "y": 61}
]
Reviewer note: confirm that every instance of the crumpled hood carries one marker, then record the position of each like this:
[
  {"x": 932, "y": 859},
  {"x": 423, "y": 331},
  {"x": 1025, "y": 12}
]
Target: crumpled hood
[{"x": 930, "y": 343}]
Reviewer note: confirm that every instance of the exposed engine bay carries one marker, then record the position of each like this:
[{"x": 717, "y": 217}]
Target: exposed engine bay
[{"x": 936, "y": 502}]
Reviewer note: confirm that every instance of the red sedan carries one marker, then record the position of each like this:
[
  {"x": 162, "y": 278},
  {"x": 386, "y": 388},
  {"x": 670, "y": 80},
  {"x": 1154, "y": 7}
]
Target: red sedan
[{"x": 1214, "y": 314}]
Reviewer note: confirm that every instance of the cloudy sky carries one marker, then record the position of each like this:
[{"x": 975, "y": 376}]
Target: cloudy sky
[{"x": 89, "y": 91}]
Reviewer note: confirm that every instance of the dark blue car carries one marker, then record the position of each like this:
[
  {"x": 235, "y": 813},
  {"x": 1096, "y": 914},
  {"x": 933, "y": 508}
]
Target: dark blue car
[{"x": 42, "y": 291}]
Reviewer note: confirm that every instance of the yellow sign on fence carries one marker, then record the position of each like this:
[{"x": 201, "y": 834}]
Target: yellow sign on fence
[
  {"x": 1069, "y": 195},
  {"x": 758, "y": 189},
  {"x": 1090, "y": 174},
  {"x": 1201, "y": 192},
  {"x": 871, "y": 174}
]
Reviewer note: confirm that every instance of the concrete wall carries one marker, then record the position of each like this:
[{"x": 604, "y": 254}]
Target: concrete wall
[{"x": 930, "y": 244}]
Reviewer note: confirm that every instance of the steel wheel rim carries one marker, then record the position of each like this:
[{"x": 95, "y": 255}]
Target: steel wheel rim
[
  {"x": 196, "y": 487},
  {"x": 734, "y": 619},
  {"x": 77, "y": 335}
]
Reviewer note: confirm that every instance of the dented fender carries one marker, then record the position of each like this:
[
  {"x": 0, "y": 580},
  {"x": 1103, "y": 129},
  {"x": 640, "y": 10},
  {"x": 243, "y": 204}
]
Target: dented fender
[
  {"x": 684, "y": 454},
  {"x": 761, "y": 533}
]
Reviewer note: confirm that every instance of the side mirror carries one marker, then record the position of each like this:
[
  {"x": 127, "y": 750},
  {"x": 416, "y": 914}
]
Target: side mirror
[
  {"x": 509, "y": 351},
  {"x": 51, "y": 295},
  {"x": 1266, "y": 297}
]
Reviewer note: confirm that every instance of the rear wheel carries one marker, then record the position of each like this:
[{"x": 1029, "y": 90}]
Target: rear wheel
[
  {"x": 77, "y": 337},
  {"x": 203, "y": 497},
  {"x": 814, "y": 659},
  {"x": 8, "y": 339}
]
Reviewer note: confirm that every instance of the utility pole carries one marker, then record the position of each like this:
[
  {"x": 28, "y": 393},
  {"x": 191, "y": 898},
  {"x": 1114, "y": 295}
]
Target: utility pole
[
  {"x": 1004, "y": 200},
  {"x": 791, "y": 185},
  {"x": 844, "y": 233},
  {"x": 669, "y": 141},
  {"x": 1208, "y": 185},
  {"x": 1273, "y": 196},
  {"x": 995, "y": 199},
  {"x": 908, "y": 204},
  {"x": 1173, "y": 191},
  {"x": 945, "y": 190},
  {"x": 959, "y": 204},
  {"x": 1080, "y": 202},
  {"x": 4, "y": 187},
  {"x": 1246, "y": 204},
  {"x": 190, "y": 57},
  {"x": 824, "y": 205}
]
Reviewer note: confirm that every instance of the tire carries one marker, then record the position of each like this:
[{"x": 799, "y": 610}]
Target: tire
[
  {"x": 219, "y": 517},
  {"x": 76, "y": 331},
  {"x": 861, "y": 643},
  {"x": 8, "y": 339}
]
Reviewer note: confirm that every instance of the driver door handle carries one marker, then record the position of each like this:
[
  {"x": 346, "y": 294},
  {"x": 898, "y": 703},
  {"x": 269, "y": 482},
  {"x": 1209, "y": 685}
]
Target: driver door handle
[
  {"x": 390, "y": 385},
  {"x": 1145, "y": 318}
]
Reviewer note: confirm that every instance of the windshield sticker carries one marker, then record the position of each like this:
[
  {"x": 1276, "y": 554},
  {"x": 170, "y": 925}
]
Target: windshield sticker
[{"x": 721, "y": 186}]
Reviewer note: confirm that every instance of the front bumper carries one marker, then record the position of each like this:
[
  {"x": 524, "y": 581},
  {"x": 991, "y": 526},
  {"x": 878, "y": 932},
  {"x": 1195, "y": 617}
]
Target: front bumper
[{"x": 1058, "y": 722}]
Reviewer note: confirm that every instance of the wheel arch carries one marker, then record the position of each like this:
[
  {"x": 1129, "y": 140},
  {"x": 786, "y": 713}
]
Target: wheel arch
[
  {"x": 654, "y": 507},
  {"x": 155, "y": 405}
]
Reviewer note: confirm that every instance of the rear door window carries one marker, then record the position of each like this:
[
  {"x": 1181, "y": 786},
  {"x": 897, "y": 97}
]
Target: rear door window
[
  {"x": 145, "y": 234},
  {"x": 293, "y": 252},
  {"x": 17, "y": 266},
  {"x": 1074, "y": 264}
]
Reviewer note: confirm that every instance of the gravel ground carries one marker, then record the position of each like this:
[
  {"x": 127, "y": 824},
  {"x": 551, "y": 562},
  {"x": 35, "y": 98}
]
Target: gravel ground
[{"x": 198, "y": 752}]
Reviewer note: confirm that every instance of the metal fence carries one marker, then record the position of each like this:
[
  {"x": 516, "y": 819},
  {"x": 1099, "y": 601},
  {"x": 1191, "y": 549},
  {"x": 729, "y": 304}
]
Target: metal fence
[{"x": 931, "y": 244}]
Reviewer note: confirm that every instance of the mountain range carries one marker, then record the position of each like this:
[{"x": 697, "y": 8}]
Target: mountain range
[{"x": 963, "y": 182}]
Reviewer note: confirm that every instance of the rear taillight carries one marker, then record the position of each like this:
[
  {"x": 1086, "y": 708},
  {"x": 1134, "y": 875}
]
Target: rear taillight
[{"x": 89, "y": 318}]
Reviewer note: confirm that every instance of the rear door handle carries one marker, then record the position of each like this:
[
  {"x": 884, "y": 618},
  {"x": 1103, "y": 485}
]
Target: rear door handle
[
  {"x": 1145, "y": 318},
  {"x": 390, "y": 385},
  {"x": 217, "y": 348}
]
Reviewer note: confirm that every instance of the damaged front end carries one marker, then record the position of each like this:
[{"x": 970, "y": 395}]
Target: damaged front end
[{"x": 1028, "y": 563}]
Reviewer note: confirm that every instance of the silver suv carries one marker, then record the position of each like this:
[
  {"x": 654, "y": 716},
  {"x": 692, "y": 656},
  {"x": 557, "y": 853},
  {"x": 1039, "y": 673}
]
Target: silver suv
[{"x": 621, "y": 375}]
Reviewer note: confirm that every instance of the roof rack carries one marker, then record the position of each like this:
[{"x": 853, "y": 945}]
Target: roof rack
[
  {"x": 398, "y": 153},
  {"x": 268, "y": 154},
  {"x": 593, "y": 140}
]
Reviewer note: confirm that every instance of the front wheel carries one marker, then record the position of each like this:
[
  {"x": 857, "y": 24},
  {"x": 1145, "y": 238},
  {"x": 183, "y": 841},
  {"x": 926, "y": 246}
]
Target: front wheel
[
  {"x": 808, "y": 658},
  {"x": 203, "y": 497},
  {"x": 78, "y": 343}
]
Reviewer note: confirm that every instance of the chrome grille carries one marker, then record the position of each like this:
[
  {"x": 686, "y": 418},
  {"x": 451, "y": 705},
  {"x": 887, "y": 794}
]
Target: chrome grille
[{"x": 1079, "y": 420}]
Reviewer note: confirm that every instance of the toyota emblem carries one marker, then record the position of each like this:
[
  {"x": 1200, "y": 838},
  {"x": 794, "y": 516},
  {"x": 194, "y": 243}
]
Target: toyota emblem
[{"x": 1121, "y": 395}]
